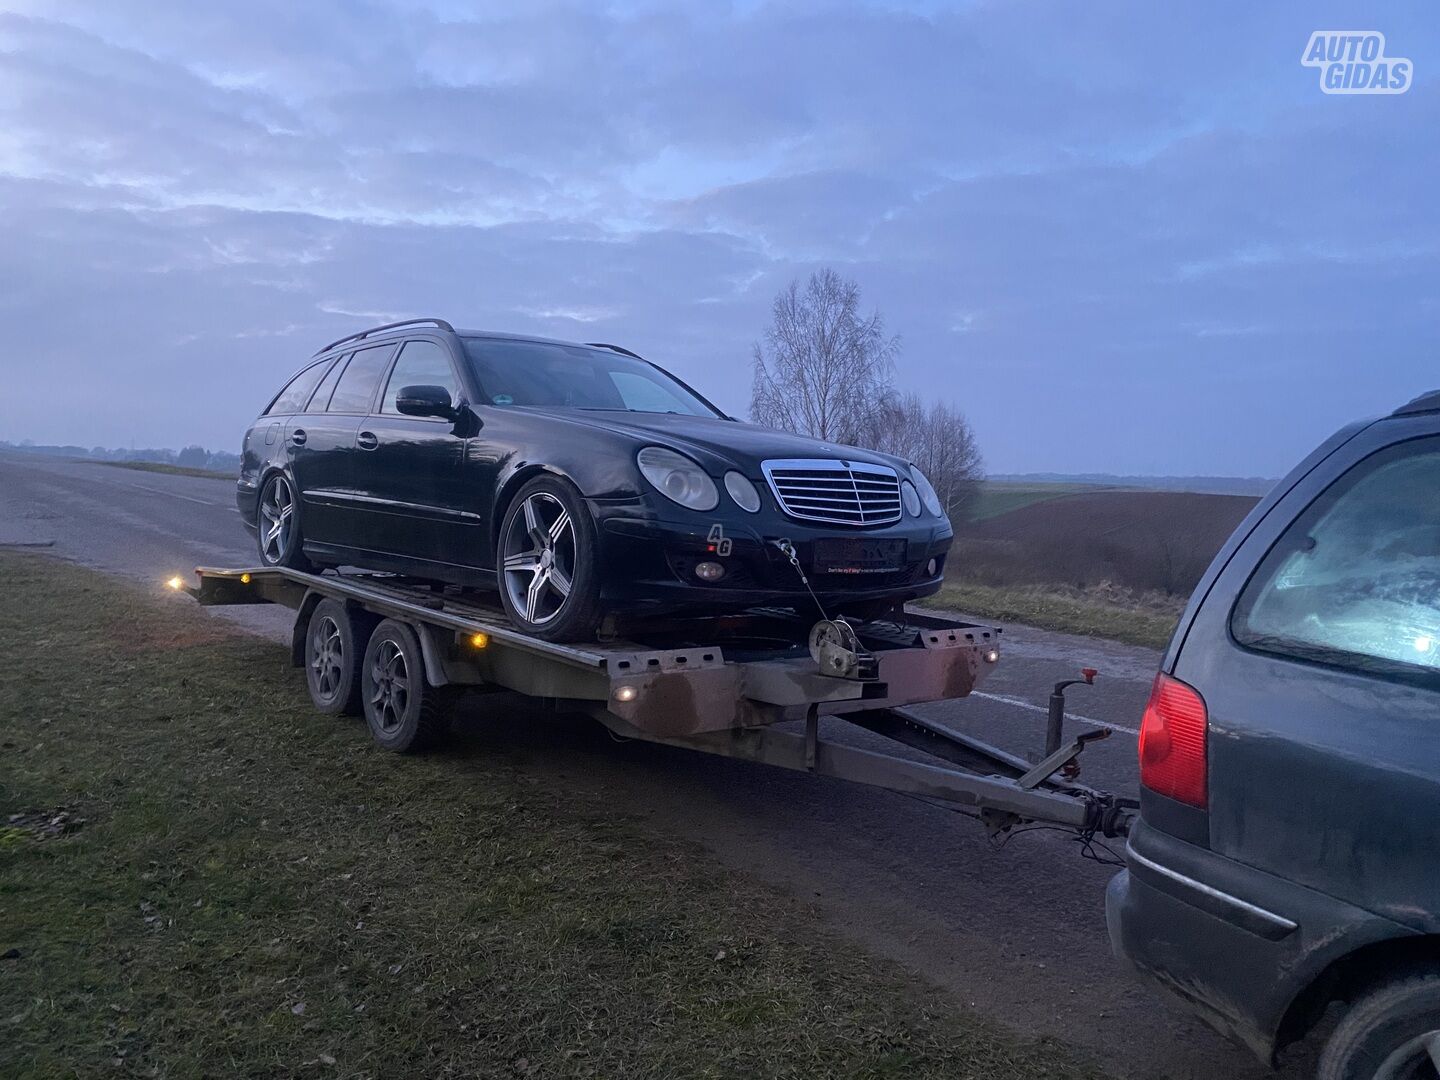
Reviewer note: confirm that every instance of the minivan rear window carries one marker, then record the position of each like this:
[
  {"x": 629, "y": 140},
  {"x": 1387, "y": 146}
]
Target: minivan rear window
[{"x": 1354, "y": 582}]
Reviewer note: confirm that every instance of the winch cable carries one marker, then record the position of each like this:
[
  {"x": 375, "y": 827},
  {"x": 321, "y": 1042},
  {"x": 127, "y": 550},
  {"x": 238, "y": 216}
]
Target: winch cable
[{"x": 788, "y": 550}]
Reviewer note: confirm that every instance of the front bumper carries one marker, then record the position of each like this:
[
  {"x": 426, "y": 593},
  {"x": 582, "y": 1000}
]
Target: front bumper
[
  {"x": 1234, "y": 944},
  {"x": 649, "y": 559}
]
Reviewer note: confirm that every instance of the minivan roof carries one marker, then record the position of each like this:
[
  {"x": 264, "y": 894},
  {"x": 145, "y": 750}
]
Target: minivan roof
[{"x": 1424, "y": 403}]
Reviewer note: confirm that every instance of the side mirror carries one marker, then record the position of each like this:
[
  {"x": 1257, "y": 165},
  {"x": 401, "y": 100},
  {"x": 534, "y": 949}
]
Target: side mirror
[{"x": 425, "y": 401}]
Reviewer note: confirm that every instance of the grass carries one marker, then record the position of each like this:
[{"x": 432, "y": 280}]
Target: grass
[
  {"x": 1117, "y": 614},
  {"x": 201, "y": 876},
  {"x": 171, "y": 470}
]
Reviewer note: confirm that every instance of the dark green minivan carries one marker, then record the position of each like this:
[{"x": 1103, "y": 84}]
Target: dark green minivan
[{"x": 1287, "y": 855}]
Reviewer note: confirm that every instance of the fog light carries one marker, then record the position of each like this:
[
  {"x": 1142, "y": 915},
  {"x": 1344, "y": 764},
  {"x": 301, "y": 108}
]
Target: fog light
[
  {"x": 992, "y": 656},
  {"x": 709, "y": 571},
  {"x": 626, "y": 693},
  {"x": 930, "y": 568}
]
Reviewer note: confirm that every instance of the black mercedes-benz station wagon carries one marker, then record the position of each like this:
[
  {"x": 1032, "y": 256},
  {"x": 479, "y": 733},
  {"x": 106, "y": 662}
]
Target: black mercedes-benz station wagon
[{"x": 578, "y": 480}]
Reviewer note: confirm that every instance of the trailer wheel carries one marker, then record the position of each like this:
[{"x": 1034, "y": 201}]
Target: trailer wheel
[
  {"x": 404, "y": 712},
  {"x": 334, "y": 645},
  {"x": 1391, "y": 1033}
]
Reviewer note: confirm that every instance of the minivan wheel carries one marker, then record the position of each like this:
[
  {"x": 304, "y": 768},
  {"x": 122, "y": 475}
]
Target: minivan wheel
[
  {"x": 1391, "y": 1033},
  {"x": 549, "y": 579},
  {"x": 278, "y": 523},
  {"x": 334, "y": 641},
  {"x": 404, "y": 712}
]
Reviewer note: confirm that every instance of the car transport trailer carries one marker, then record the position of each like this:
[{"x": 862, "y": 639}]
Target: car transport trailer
[{"x": 751, "y": 686}]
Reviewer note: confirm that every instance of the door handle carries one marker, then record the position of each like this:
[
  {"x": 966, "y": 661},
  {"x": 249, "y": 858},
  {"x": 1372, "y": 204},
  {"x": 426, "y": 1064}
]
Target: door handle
[
  {"x": 298, "y": 437},
  {"x": 367, "y": 440}
]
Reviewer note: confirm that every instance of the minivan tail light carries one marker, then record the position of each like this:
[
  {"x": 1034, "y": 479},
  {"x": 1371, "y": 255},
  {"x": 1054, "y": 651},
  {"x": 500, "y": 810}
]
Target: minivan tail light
[{"x": 1173, "y": 737}]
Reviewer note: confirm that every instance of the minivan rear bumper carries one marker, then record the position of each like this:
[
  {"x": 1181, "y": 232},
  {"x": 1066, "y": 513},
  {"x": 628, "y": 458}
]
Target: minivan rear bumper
[{"x": 1235, "y": 944}]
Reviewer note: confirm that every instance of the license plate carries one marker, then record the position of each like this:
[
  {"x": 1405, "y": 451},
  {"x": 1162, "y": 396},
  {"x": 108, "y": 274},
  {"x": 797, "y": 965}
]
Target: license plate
[{"x": 859, "y": 556}]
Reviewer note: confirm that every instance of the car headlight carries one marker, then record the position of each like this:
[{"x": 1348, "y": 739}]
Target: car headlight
[
  {"x": 742, "y": 491},
  {"x": 911, "y": 498},
  {"x": 678, "y": 478},
  {"x": 927, "y": 493}
]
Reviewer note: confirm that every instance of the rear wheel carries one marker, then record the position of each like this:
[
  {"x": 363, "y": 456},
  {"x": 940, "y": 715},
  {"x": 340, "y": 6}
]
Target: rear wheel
[
  {"x": 549, "y": 580},
  {"x": 278, "y": 523},
  {"x": 404, "y": 712},
  {"x": 334, "y": 644},
  {"x": 1391, "y": 1033},
  {"x": 871, "y": 610}
]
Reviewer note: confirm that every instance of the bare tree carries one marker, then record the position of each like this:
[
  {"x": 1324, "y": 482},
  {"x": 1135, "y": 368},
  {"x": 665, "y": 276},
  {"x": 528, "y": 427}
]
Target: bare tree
[
  {"x": 936, "y": 438},
  {"x": 824, "y": 369}
]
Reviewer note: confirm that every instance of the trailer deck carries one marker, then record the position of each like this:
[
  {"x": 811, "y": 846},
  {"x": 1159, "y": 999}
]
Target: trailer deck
[{"x": 748, "y": 686}]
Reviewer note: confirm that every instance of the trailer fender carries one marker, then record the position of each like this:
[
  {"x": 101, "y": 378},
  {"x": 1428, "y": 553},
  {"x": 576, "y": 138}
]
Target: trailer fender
[{"x": 434, "y": 663}]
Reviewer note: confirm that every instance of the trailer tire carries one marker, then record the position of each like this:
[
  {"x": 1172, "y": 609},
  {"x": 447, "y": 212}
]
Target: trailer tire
[
  {"x": 335, "y": 641},
  {"x": 404, "y": 712},
  {"x": 1386, "y": 1031}
]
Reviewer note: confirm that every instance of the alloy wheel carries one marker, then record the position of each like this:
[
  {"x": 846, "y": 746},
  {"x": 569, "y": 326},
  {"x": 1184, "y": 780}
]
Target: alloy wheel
[
  {"x": 326, "y": 656},
  {"x": 277, "y": 512},
  {"x": 390, "y": 681},
  {"x": 539, "y": 558},
  {"x": 1418, "y": 1059}
]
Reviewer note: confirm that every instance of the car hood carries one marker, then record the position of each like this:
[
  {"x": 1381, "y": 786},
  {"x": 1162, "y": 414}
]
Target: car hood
[{"x": 719, "y": 444}]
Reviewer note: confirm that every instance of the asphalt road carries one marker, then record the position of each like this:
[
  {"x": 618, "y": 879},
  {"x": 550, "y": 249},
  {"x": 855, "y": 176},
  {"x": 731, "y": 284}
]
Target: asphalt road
[{"x": 1017, "y": 932}]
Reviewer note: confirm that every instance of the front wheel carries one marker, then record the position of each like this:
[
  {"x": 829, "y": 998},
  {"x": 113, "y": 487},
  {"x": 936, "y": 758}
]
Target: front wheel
[
  {"x": 278, "y": 523},
  {"x": 1391, "y": 1033},
  {"x": 549, "y": 578}
]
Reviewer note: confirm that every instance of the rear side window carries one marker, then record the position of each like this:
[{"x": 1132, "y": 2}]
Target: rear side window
[
  {"x": 297, "y": 392},
  {"x": 320, "y": 400},
  {"x": 1355, "y": 580},
  {"x": 421, "y": 363},
  {"x": 356, "y": 388}
]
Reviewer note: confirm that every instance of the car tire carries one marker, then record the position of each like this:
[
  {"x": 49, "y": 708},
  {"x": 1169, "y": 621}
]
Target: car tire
[
  {"x": 1384, "y": 1035},
  {"x": 405, "y": 713},
  {"x": 548, "y": 571},
  {"x": 871, "y": 610},
  {"x": 335, "y": 642},
  {"x": 277, "y": 523}
]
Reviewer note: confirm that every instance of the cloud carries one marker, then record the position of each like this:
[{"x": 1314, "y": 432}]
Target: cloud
[{"x": 1123, "y": 239}]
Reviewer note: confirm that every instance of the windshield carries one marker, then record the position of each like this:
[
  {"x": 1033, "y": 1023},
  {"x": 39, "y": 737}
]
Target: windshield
[{"x": 575, "y": 377}]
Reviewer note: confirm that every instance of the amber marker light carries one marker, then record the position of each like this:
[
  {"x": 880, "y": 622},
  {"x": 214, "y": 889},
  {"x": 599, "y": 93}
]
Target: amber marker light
[{"x": 479, "y": 640}]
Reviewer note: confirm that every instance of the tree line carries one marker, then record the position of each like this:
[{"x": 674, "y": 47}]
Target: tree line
[{"x": 825, "y": 369}]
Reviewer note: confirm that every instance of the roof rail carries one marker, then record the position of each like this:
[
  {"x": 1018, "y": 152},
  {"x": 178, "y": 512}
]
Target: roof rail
[
  {"x": 614, "y": 348},
  {"x": 441, "y": 323},
  {"x": 1424, "y": 403}
]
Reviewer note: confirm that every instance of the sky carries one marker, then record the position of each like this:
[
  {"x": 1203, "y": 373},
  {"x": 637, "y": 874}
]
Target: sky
[{"x": 1129, "y": 238}]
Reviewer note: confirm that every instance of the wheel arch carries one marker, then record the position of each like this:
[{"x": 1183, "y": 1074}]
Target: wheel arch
[
  {"x": 269, "y": 469},
  {"x": 505, "y": 494},
  {"x": 1349, "y": 976},
  {"x": 361, "y": 619}
]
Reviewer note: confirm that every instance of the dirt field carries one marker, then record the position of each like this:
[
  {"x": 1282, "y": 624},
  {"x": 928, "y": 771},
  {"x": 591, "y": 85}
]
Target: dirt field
[{"x": 1148, "y": 541}]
